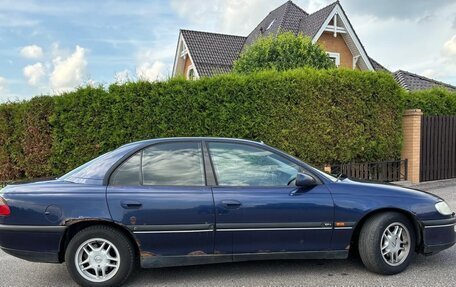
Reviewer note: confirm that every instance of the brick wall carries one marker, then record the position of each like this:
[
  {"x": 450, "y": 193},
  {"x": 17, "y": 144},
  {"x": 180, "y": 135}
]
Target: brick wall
[{"x": 411, "y": 149}]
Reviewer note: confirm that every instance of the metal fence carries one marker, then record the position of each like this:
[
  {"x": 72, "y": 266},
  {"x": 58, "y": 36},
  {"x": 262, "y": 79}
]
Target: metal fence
[{"x": 385, "y": 171}]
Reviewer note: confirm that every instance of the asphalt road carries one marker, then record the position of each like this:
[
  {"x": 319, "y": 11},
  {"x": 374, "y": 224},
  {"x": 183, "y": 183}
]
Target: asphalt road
[{"x": 437, "y": 270}]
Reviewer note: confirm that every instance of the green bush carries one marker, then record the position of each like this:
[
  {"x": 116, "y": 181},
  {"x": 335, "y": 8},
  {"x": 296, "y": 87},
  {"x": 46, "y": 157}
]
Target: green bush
[
  {"x": 282, "y": 52},
  {"x": 25, "y": 138},
  {"x": 10, "y": 141},
  {"x": 36, "y": 137},
  {"x": 433, "y": 102},
  {"x": 320, "y": 116}
]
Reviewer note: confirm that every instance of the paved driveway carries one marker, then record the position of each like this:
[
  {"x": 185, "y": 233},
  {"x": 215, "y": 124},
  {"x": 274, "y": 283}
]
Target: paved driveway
[{"x": 438, "y": 270}]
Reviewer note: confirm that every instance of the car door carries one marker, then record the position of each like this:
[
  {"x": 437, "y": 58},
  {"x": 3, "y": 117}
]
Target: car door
[
  {"x": 258, "y": 207},
  {"x": 161, "y": 195}
]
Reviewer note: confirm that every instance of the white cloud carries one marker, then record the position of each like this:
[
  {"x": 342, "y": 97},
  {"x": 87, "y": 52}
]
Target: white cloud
[
  {"x": 150, "y": 71},
  {"x": 32, "y": 52},
  {"x": 69, "y": 72},
  {"x": 226, "y": 15},
  {"x": 92, "y": 83},
  {"x": 34, "y": 73},
  {"x": 429, "y": 73},
  {"x": 3, "y": 84},
  {"x": 122, "y": 77},
  {"x": 449, "y": 48},
  {"x": 151, "y": 62}
]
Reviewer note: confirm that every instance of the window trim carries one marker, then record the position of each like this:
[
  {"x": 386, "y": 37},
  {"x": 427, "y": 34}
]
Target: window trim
[
  {"x": 121, "y": 164},
  {"x": 336, "y": 57},
  {"x": 190, "y": 68},
  {"x": 212, "y": 182},
  {"x": 266, "y": 148},
  {"x": 127, "y": 156}
]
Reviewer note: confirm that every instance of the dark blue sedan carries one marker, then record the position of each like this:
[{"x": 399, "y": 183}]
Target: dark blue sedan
[{"x": 185, "y": 201}]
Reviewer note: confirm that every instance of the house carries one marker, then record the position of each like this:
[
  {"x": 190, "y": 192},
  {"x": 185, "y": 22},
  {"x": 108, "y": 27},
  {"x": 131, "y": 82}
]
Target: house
[{"x": 203, "y": 54}]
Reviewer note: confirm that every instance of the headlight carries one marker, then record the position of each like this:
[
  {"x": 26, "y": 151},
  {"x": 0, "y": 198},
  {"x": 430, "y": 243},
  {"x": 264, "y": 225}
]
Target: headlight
[{"x": 443, "y": 208}]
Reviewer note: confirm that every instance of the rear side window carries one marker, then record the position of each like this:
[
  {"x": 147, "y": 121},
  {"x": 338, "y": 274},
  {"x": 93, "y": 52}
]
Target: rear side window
[
  {"x": 178, "y": 163},
  {"x": 174, "y": 164},
  {"x": 128, "y": 173}
]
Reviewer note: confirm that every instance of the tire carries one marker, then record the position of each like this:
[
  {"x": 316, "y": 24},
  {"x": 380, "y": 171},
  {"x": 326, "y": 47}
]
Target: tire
[
  {"x": 379, "y": 249},
  {"x": 109, "y": 249}
]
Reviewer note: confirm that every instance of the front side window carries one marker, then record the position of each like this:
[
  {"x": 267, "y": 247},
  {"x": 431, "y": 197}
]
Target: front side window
[
  {"x": 175, "y": 164},
  {"x": 244, "y": 165}
]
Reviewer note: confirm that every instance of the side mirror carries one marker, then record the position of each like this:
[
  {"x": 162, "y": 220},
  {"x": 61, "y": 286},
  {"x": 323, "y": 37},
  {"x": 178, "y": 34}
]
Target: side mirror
[{"x": 303, "y": 179}]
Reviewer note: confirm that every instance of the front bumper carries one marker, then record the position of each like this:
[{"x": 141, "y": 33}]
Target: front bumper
[
  {"x": 32, "y": 243},
  {"x": 438, "y": 235}
]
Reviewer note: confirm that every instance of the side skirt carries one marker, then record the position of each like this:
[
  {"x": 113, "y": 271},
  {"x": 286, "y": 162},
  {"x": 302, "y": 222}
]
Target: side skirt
[{"x": 168, "y": 261}]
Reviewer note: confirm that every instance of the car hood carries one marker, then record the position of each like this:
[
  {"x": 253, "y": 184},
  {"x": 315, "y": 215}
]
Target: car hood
[{"x": 386, "y": 189}]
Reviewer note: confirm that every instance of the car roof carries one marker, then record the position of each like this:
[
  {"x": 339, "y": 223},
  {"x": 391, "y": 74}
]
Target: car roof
[{"x": 151, "y": 141}]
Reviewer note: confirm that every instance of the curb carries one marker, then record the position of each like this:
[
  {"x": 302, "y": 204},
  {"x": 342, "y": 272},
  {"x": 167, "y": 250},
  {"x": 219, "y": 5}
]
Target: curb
[{"x": 436, "y": 184}]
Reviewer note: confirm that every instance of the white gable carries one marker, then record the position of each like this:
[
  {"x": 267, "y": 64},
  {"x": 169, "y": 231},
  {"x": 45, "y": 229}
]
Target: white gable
[{"x": 341, "y": 27}]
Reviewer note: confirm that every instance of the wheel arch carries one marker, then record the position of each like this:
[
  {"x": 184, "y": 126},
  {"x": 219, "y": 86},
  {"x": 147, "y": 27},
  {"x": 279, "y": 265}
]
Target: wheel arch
[
  {"x": 410, "y": 216},
  {"x": 76, "y": 225}
]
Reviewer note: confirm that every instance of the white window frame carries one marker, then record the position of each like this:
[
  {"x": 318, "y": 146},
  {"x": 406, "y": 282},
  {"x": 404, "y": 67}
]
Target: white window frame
[
  {"x": 191, "y": 67},
  {"x": 336, "y": 57}
]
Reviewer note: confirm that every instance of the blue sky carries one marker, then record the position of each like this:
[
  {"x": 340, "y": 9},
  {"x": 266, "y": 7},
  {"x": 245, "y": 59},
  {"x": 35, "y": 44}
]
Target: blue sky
[{"x": 53, "y": 46}]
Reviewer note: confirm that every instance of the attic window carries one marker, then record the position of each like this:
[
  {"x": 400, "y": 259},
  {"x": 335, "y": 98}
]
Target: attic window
[
  {"x": 191, "y": 73},
  {"x": 335, "y": 57},
  {"x": 270, "y": 24}
]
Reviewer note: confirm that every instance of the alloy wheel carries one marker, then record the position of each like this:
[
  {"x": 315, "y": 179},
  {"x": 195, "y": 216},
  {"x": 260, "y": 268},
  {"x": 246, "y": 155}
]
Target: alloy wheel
[
  {"x": 97, "y": 260},
  {"x": 395, "y": 244}
]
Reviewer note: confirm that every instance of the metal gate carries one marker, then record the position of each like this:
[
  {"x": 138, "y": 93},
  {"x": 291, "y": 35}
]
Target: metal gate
[{"x": 438, "y": 148}]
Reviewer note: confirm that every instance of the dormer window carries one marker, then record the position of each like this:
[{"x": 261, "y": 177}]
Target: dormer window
[{"x": 270, "y": 24}]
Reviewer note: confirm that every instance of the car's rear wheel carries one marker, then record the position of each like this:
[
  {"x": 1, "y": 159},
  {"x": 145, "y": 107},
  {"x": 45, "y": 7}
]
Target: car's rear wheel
[
  {"x": 100, "y": 256},
  {"x": 387, "y": 243}
]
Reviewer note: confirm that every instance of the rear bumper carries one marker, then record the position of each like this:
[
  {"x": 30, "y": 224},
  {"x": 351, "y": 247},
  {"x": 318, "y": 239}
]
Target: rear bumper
[
  {"x": 32, "y": 243},
  {"x": 438, "y": 235},
  {"x": 33, "y": 256}
]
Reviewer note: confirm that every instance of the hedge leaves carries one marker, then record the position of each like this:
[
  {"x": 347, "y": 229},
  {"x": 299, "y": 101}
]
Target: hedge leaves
[{"x": 320, "y": 116}]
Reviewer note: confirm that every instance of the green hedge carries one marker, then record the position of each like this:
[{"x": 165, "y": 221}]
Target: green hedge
[
  {"x": 325, "y": 116},
  {"x": 25, "y": 138},
  {"x": 433, "y": 102}
]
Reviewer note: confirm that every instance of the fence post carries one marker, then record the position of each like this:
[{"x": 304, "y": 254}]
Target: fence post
[
  {"x": 411, "y": 149},
  {"x": 327, "y": 168}
]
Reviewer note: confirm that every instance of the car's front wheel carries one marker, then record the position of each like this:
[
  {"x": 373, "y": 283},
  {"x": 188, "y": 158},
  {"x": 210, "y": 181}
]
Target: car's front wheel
[
  {"x": 387, "y": 243},
  {"x": 100, "y": 256}
]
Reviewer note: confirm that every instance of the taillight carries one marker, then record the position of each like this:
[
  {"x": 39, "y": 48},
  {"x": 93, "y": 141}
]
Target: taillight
[{"x": 4, "y": 208}]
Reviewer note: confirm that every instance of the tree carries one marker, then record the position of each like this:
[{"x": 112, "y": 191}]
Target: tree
[{"x": 281, "y": 52}]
